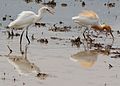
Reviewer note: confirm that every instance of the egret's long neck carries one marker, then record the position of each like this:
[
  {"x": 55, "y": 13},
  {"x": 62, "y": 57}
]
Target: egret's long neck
[
  {"x": 40, "y": 13},
  {"x": 98, "y": 23}
]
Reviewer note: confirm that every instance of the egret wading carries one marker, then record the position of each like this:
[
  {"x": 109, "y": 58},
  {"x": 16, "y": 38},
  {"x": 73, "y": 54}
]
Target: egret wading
[
  {"x": 90, "y": 19},
  {"x": 27, "y": 18}
]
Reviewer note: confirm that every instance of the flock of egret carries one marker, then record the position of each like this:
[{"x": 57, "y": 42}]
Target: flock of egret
[{"x": 88, "y": 19}]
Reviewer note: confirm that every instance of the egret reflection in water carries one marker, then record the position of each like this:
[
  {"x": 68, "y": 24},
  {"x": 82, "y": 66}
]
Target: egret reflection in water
[
  {"x": 23, "y": 66},
  {"x": 87, "y": 58}
]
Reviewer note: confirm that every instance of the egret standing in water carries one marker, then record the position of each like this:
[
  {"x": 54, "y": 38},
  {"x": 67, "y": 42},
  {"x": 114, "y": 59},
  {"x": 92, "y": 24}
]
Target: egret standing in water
[
  {"x": 27, "y": 18},
  {"x": 90, "y": 19}
]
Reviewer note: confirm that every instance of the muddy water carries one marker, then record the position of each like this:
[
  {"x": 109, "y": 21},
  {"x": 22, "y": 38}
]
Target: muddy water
[{"x": 64, "y": 64}]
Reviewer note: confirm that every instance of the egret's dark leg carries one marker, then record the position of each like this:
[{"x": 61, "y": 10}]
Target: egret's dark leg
[
  {"x": 84, "y": 33},
  {"x": 26, "y": 51},
  {"x": 21, "y": 43},
  {"x": 12, "y": 34},
  {"x": 112, "y": 37},
  {"x": 111, "y": 34},
  {"x": 9, "y": 50},
  {"x": 27, "y": 35}
]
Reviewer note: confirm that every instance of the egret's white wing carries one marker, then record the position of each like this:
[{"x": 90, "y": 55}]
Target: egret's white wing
[
  {"x": 25, "y": 14},
  {"x": 24, "y": 19}
]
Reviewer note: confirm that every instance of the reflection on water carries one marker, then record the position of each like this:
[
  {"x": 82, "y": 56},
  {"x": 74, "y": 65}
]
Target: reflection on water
[
  {"x": 87, "y": 58},
  {"x": 23, "y": 66}
]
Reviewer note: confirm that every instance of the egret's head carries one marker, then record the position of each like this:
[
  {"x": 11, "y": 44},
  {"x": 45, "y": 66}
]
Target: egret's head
[
  {"x": 106, "y": 27},
  {"x": 46, "y": 9}
]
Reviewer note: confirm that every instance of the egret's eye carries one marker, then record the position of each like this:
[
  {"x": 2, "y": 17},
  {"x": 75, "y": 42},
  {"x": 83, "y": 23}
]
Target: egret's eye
[{"x": 47, "y": 9}]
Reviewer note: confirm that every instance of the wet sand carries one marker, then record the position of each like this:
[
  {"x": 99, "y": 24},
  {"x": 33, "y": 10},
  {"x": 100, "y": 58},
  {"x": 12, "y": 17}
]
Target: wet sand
[{"x": 63, "y": 63}]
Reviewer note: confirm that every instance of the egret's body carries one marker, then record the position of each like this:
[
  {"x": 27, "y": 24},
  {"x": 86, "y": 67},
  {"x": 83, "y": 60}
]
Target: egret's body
[
  {"x": 26, "y": 18},
  {"x": 90, "y": 19}
]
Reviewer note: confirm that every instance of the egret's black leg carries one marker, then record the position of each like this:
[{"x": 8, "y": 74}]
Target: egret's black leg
[
  {"x": 9, "y": 50},
  {"x": 21, "y": 43},
  {"x": 12, "y": 34},
  {"x": 84, "y": 33},
  {"x": 26, "y": 51},
  {"x": 111, "y": 34},
  {"x": 27, "y": 35}
]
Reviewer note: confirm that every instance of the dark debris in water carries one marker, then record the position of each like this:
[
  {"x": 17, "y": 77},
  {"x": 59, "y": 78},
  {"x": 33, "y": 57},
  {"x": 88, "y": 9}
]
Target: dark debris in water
[
  {"x": 37, "y": 1},
  {"x": 56, "y": 38},
  {"x": 60, "y": 28},
  {"x": 110, "y": 66},
  {"x": 50, "y": 3},
  {"x": 63, "y": 4},
  {"x": 42, "y": 40},
  {"x": 76, "y": 42},
  {"x": 40, "y": 24},
  {"x": 83, "y": 4},
  {"x": 116, "y": 56},
  {"x": 7, "y": 17},
  {"x": 42, "y": 76},
  {"x": 109, "y": 4}
]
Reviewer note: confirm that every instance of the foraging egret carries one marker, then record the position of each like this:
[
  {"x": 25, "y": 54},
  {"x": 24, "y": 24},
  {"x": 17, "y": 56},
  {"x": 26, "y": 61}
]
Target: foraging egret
[
  {"x": 26, "y": 18},
  {"x": 90, "y": 19}
]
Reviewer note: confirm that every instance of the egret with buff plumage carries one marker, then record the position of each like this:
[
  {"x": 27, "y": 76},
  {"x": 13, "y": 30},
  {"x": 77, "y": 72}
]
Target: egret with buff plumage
[{"x": 90, "y": 19}]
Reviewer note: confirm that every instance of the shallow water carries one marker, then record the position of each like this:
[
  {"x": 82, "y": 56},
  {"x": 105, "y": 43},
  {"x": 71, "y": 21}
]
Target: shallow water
[{"x": 54, "y": 58}]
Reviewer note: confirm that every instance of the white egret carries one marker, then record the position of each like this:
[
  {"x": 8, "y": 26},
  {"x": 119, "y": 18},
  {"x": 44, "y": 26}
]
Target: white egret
[
  {"x": 90, "y": 19},
  {"x": 27, "y": 18}
]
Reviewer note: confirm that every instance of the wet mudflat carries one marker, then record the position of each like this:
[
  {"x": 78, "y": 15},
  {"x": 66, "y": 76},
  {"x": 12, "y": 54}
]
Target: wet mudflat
[{"x": 58, "y": 53}]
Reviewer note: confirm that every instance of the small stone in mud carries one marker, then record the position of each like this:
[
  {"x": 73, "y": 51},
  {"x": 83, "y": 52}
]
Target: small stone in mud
[
  {"x": 14, "y": 79},
  {"x": 110, "y": 66},
  {"x": 23, "y": 83},
  {"x": 46, "y": 41},
  {"x": 11, "y": 19},
  {"x": 3, "y": 78},
  {"x": 42, "y": 40},
  {"x": 60, "y": 22},
  {"x": 32, "y": 37},
  {"x": 118, "y": 32},
  {"x": 83, "y": 4},
  {"x": 4, "y": 18},
  {"x": 63, "y": 4}
]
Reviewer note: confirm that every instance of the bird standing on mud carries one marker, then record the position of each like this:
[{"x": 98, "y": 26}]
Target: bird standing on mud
[
  {"x": 27, "y": 18},
  {"x": 90, "y": 19}
]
